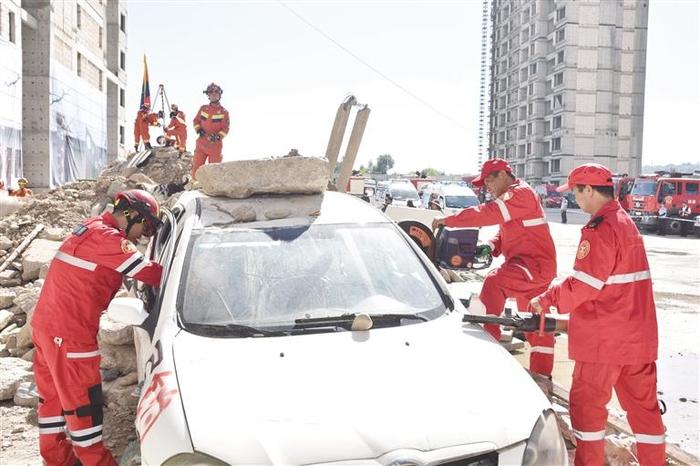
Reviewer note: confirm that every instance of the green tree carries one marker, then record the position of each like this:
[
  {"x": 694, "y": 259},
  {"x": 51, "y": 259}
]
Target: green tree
[
  {"x": 430, "y": 172},
  {"x": 385, "y": 162}
]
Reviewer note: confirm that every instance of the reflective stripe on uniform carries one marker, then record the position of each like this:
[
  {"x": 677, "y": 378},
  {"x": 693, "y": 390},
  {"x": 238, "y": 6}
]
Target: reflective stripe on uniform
[
  {"x": 504, "y": 209},
  {"x": 533, "y": 222},
  {"x": 589, "y": 280},
  {"x": 76, "y": 262},
  {"x": 51, "y": 425},
  {"x": 137, "y": 267},
  {"x": 86, "y": 437},
  {"x": 204, "y": 115},
  {"x": 652, "y": 439},
  {"x": 88, "y": 354},
  {"x": 589, "y": 436},
  {"x": 628, "y": 278},
  {"x": 217, "y": 116},
  {"x": 542, "y": 349},
  {"x": 222, "y": 133},
  {"x": 527, "y": 272},
  {"x": 132, "y": 260}
]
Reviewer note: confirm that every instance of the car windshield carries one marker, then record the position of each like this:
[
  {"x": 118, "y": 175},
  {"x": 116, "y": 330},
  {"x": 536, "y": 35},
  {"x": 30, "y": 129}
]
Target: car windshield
[
  {"x": 404, "y": 194},
  {"x": 644, "y": 188},
  {"x": 268, "y": 278},
  {"x": 460, "y": 202}
]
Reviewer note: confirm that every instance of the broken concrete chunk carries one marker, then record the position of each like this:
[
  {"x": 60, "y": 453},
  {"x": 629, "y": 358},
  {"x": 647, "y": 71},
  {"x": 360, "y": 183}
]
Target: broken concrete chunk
[
  {"x": 114, "y": 333},
  {"x": 40, "y": 252},
  {"x": 26, "y": 395},
  {"x": 10, "y": 278},
  {"x": 5, "y": 243},
  {"x": 243, "y": 178},
  {"x": 120, "y": 357},
  {"x": 6, "y": 298},
  {"x": 54, "y": 234},
  {"x": 14, "y": 371},
  {"x": 5, "y": 318}
]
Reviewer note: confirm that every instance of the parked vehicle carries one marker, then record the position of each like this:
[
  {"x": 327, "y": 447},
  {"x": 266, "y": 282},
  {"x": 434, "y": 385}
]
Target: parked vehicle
[
  {"x": 319, "y": 338},
  {"x": 650, "y": 191},
  {"x": 404, "y": 194}
]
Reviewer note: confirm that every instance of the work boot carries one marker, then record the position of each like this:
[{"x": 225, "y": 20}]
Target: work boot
[
  {"x": 136, "y": 147},
  {"x": 148, "y": 146}
]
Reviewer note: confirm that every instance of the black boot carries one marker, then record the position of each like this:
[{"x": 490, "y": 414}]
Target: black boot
[
  {"x": 136, "y": 147},
  {"x": 148, "y": 145}
]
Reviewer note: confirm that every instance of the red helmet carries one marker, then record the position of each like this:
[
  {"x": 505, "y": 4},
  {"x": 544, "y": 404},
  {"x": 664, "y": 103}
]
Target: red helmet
[
  {"x": 213, "y": 87},
  {"x": 145, "y": 207}
]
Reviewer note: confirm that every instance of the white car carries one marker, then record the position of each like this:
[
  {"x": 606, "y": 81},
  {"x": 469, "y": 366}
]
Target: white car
[{"x": 326, "y": 338}]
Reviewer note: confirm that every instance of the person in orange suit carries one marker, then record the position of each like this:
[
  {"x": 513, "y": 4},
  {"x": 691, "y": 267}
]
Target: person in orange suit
[
  {"x": 144, "y": 119},
  {"x": 23, "y": 191},
  {"x": 212, "y": 125},
  {"x": 177, "y": 129}
]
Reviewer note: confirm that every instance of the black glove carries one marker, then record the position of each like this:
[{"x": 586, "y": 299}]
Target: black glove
[
  {"x": 160, "y": 114},
  {"x": 173, "y": 114},
  {"x": 201, "y": 132},
  {"x": 214, "y": 137},
  {"x": 532, "y": 324}
]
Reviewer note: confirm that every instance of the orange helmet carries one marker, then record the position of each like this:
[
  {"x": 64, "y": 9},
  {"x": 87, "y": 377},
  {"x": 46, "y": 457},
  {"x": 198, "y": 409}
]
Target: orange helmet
[
  {"x": 213, "y": 87},
  {"x": 139, "y": 206}
]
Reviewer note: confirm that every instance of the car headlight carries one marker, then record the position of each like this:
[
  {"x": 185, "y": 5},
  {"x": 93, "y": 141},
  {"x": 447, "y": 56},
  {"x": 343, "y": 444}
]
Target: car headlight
[
  {"x": 193, "y": 459},
  {"x": 545, "y": 445}
]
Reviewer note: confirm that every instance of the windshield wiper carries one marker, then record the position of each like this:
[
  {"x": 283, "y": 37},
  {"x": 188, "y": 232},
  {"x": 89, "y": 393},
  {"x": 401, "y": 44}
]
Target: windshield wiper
[
  {"x": 236, "y": 330},
  {"x": 345, "y": 320}
]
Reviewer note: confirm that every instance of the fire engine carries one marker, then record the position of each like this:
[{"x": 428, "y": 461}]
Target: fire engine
[
  {"x": 672, "y": 190},
  {"x": 622, "y": 185}
]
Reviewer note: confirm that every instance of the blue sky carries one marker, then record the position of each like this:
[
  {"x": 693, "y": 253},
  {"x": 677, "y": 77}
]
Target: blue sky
[{"x": 283, "y": 80}]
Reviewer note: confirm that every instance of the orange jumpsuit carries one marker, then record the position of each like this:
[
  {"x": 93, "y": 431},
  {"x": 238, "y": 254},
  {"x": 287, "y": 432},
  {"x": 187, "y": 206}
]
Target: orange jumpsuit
[
  {"x": 213, "y": 120},
  {"x": 141, "y": 124},
  {"x": 21, "y": 192},
  {"x": 177, "y": 130}
]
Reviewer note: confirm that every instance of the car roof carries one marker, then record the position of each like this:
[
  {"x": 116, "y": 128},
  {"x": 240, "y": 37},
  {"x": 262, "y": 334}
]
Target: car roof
[
  {"x": 457, "y": 190},
  {"x": 285, "y": 210}
]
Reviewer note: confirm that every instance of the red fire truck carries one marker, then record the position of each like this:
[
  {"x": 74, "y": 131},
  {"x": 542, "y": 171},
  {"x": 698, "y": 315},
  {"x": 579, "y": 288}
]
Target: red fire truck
[
  {"x": 670, "y": 189},
  {"x": 623, "y": 186}
]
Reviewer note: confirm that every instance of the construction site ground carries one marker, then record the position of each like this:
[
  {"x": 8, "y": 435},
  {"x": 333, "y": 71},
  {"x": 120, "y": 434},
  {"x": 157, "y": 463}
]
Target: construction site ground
[{"x": 674, "y": 266}]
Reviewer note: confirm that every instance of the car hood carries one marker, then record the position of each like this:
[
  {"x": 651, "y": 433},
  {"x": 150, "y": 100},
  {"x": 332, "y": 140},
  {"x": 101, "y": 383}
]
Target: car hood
[{"x": 352, "y": 395}]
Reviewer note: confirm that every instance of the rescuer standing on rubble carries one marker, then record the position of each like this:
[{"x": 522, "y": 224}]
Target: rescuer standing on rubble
[
  {"x": 84, "y": 276},
  {"x": 144, "y": 119},
  {"x": 211, "y": 124},
  {"x": 613, "y": 337},
  {"x": 23, "y": 191},
  {"x": 525, "y": 242},
  {"x": 177, "y": 129}
]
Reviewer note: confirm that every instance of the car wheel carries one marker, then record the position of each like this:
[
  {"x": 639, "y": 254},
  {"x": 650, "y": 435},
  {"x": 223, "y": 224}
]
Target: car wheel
[{"x": 673, "y": 227}]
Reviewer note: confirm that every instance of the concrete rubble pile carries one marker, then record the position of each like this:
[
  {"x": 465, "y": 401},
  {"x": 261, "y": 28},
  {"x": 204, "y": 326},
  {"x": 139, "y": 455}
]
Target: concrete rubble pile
[{"x": 59, "y": 211}]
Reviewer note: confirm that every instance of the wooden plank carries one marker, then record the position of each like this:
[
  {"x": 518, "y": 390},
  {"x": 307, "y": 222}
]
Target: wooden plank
[{"x": 23, "y": 245}]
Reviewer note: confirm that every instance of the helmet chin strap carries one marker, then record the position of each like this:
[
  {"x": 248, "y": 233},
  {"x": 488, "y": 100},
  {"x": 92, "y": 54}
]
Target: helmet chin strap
[{"x": 130, "y": 221}]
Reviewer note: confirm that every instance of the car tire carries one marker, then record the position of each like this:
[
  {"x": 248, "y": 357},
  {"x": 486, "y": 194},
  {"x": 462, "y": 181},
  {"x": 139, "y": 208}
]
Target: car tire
[{"x": 673, "y": 227}]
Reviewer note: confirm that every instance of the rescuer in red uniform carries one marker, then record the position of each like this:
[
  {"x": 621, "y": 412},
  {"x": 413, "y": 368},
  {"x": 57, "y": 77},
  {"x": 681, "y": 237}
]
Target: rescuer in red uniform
[
  {"x": 83, "y": 277},
  {"x": 613, "y": 337},
  {"x": 177, "y": 129},
  {"x": 525, "y": 242},
  {"x": 144, "y": 119},
  {"x": 211, "y": 124}
]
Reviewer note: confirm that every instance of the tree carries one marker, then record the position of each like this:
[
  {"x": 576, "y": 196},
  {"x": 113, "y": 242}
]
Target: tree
[
  {"x": 430, "y": 172},
  {"x": 385, "y": 162}
]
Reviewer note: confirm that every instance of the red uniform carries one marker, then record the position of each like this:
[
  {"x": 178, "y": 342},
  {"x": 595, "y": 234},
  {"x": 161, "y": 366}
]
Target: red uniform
[
  {"x": 213, "y": 120},
  {"x": 177, "y": 130},
  {"x": 83, "y": 277},
  {"x": 613, "y": 336},
  {"x": 524, "y": 240},
  {"x": 21, "y": 192},
  {"x": 141, "y": 124}
]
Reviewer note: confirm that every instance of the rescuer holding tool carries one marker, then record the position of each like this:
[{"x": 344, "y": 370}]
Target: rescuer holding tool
[
  {"x": 144, "y": 119},
  {"x": 613, "y": 337}
]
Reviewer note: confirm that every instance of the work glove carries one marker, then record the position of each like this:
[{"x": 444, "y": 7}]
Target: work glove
[
  {"x": 532, "y": 324},
  {"x": 173, "y": 114},
  {"x": 160, "y": 114},
  {"x": 214, "y": 137},
  {"x": 201, "y": 132},
  {"x": 483, "y": 251}
]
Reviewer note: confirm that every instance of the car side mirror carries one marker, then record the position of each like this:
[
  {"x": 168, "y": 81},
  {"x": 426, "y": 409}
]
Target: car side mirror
[{"x": 128, "y": 311}]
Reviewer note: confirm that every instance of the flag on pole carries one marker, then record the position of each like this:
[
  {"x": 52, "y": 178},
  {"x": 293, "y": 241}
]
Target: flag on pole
[{"x": 145, "y": 90}]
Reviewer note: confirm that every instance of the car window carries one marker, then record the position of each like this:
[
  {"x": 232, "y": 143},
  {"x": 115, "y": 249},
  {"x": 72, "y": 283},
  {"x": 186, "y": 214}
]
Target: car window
[
  {"x": 461, "y": 202},
  {"x": 404, "y": 193},
  {"x": 268, "y": 278}
]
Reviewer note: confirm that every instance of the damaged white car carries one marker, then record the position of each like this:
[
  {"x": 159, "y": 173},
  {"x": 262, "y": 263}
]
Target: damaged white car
[{"x": 325, "y": 336}]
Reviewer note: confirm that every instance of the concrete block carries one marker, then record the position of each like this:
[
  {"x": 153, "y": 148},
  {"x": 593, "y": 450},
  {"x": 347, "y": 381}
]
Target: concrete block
[{"x": 40, "y": 252}]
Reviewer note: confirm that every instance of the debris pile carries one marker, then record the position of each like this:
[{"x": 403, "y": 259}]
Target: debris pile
[{"x": 29, "y": 238}]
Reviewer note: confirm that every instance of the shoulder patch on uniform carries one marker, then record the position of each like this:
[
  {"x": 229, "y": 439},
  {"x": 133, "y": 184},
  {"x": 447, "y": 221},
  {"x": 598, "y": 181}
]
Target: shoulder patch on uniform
[
  {"x": 128, "y": 246},
  {"x": 583, "y": 249},
  {"x": 79, "y": 230}
]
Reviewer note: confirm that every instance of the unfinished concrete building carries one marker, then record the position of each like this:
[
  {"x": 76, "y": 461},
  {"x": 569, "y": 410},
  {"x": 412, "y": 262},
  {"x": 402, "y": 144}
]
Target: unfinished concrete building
[
  {"x": 65, "y": 103},
  {"x": 567, "y": 85}
]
